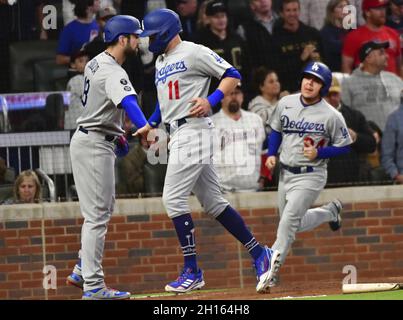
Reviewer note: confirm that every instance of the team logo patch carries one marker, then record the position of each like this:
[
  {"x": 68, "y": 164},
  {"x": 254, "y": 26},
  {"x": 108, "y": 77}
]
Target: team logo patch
[
  {"x": 127, "y": 88},
  {"x": 123, "y": 81}
]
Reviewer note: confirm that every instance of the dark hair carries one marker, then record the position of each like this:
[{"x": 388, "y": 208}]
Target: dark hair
[
  {"x": 259, "y": 77},
  {"x": 284, "y": 2},
  {"x": 81, "y": 6}
]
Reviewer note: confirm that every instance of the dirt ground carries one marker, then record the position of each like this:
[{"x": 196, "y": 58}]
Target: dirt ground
[{"x": 294, "y": 289}]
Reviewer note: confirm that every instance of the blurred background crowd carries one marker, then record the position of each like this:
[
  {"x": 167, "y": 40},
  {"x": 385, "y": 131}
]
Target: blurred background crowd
[{"x": 268, "y": 41}]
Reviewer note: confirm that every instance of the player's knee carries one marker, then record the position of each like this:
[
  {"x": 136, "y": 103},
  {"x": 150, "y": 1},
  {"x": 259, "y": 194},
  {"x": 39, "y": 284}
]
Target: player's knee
[{"x": 174, "y": 206}]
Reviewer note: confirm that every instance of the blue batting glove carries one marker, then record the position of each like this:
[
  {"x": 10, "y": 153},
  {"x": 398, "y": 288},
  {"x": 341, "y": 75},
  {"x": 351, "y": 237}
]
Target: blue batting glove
[{"x": 122, "y": 147}]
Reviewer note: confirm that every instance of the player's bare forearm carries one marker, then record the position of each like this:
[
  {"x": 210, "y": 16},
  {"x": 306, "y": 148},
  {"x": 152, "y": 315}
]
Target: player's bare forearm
[{"x": 228, "y": 84}]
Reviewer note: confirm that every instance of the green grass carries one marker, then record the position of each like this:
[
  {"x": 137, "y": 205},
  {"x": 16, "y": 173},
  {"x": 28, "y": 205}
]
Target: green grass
[{"x": 386, "y": 295}]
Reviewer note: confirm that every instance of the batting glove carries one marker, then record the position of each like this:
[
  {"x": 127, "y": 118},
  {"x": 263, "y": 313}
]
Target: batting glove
[{"x": 122, "y": 147}]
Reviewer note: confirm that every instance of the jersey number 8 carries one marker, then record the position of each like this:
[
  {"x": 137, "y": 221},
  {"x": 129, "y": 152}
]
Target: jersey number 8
[{"x": 86, "y": 90}]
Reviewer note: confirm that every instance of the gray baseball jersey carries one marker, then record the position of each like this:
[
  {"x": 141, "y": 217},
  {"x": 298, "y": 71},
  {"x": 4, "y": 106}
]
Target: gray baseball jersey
[
  {"x": 93, "y": 158},
  {"x": 320, "y": 123},
  {"x": 183, "y": 74},
  {"x": 105, "y": 86}
]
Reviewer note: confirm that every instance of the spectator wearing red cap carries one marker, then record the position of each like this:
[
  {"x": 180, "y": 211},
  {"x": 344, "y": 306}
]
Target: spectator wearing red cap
[{"x": 374, "y": 29}]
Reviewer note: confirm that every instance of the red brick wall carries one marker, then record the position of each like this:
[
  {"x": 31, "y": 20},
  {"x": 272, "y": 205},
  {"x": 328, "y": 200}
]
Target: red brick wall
[{"x": 142, "y": 251}]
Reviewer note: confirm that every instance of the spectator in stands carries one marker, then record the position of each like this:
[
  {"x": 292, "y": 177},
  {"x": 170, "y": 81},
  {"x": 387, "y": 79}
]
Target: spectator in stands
[
  {"x": 374, "y": 92},
  {"x": 68, "y": 8},
  {"x": 313, "y": 12},
  {"x": 256, "y": 31},
  {"x": 350, "y": 168},
  {"x": 139, "y": 8},
  {"x": 394, "y": 19},
  {"x": 333, "y": 34},
  {"x": 78, "y": 32},
  {"x": 374, "y": 29},
  {"x": 375, "y": 169},
  {"x": 187, "y": 10},
  {"x": 97, "y": 45},
  {"x": 241, "y": 134},
  {"x": 392, "y": 146},
  {"x": 294, "y": 45},
  {"x": 27, "y": 189},
  {"x": 202, "y": 19},
  {"x": 267, "y": 85},
  {"x": 219, "y": 38},
  {"x": 76, "y": 88}
]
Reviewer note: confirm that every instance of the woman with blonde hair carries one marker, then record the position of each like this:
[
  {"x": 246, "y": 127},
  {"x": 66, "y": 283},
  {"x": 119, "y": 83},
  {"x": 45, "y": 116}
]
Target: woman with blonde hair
[
  {"x": 333, "y": 33},
  {"x": 27, "y": 188}
]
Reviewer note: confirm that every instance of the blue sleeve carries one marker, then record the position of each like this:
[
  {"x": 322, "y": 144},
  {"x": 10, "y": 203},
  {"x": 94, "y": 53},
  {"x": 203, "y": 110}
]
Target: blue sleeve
[
  {"x": 332, "y": 151},
  {"x": 274, "y": 141},
  {"x": 232, "y": 73},
  {"x": 155, "y": 118},
  {"x": 129, "y": 103}
]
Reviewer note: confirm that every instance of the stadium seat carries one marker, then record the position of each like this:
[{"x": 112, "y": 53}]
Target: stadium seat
[
  {"x": 23, "y": 57},
  {"x": 47, "y": 75}
]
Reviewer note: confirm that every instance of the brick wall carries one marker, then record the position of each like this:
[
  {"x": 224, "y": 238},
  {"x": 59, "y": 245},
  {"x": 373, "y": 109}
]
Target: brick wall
[{"x": 142, "y": 251}]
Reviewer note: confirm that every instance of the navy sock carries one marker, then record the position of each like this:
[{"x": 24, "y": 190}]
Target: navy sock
[
  {"x": 233, "y": 222},
  {"x": 185, "y": 231}
]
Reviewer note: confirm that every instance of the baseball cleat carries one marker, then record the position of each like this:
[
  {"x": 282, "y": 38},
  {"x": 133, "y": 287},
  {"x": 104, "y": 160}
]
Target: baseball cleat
[
  {"x": 186, "y": 282},
  {"x": 274, "y": 281},
  {"x": 76, "y": 278},
  {"x": 336, "y": 225},
  {"x": 105, "y": 294},
  {"x": 266, "y": 266}
]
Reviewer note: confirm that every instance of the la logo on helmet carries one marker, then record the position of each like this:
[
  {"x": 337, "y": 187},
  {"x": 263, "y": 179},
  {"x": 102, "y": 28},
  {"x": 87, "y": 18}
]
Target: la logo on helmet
[{"x": 315, "y": 67}]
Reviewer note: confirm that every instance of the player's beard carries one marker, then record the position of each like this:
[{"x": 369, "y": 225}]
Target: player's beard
[
  {"x": 129, "y": 51},
  {"x": 234, "y": 107}
]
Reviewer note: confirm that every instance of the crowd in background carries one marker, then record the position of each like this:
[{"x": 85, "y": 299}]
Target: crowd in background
[{"x": 269, "y": 42}]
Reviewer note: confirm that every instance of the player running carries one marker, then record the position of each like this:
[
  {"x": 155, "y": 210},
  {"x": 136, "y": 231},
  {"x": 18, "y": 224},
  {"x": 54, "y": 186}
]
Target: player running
[
  {"x": 108, "y": 93},
  {"x": 183, "y": 74},
  {"x": 310, "y": 131}
]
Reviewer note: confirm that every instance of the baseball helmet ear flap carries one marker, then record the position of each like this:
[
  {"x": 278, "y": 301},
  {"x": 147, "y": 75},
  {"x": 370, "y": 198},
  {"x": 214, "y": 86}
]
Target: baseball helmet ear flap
[
  {"x": 162, "y": 25},
  {"x": 322, "y": 72},
  {"x": 121, "y": 25}
]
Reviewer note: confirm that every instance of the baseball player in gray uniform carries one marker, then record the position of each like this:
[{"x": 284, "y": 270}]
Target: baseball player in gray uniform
[
  {"x": 310, "y": 131},
  {"x": 94, "y": 146},
  {"x": 182, "y": 77}
]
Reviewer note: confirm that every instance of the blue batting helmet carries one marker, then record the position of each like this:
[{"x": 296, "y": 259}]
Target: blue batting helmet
[
  {"x": 121, "y": 25},
  {"x": 321, "y": 71},
  {"x": 164, "y": 24}
]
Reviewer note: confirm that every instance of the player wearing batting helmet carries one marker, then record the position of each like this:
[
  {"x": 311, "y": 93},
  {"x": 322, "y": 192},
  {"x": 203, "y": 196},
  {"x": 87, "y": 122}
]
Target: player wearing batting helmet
[
  {"x": 99, "y": 138},
  {"x": 310, "y": 132},
  {"x": 183, "y": 74}
]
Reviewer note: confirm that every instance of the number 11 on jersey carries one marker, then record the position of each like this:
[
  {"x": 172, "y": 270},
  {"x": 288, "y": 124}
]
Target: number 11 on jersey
[{"x": 172, "y": 86}]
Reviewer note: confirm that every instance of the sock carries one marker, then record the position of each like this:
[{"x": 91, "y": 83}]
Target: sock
[
  {"x": 233, "y": 222},
  {"x": 185, "y": 231}
]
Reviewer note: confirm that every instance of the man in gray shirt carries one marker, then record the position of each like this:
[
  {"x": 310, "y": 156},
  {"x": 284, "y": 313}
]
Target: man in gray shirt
[{"x": 370, "y": 89}]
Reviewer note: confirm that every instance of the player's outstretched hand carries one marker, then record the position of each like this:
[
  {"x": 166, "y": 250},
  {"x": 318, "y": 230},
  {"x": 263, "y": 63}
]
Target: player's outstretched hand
[
  {"x": 201, "y": 107},
  {"x": 310, "y": 151},
  {"x": 143, "y": 131},
  {"x": 271, "y": 162}
]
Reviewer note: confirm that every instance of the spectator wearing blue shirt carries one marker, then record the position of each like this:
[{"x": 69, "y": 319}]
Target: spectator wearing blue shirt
[
  {"x": 392, "y": 146},
  {"x": 78, "y": 32}
]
